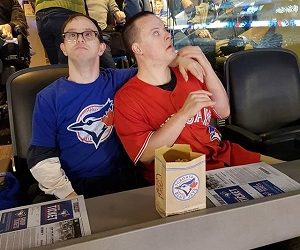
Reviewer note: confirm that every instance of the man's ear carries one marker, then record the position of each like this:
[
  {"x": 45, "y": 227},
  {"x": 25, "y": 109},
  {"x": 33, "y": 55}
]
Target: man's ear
[
  {"x": 136, "y": 49},
  {"x": 102, "y": 48},
  {"x": 63, "y": 49}
]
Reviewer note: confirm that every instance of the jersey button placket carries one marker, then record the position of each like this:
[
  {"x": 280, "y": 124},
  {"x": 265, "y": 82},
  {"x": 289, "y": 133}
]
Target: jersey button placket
[{"x": 174, "y": 101}]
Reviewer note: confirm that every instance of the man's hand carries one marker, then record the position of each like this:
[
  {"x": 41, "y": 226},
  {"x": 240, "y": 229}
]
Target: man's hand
[
  {"x": 6, "y": 31},
  {"x": 199, "y": 65},
  {"x": 196, "y": 53},
  {"x": 120, "y": 17},
  {"x": 171, "y": 130},
  {"x": 195, "y": 102},
  {"x": 188, "y": 64}
]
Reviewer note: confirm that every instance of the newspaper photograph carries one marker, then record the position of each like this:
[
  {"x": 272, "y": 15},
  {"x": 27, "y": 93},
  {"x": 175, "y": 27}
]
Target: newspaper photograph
[
  {"x": 247, "y": 182},
  {"x": 43, "y": 223}
]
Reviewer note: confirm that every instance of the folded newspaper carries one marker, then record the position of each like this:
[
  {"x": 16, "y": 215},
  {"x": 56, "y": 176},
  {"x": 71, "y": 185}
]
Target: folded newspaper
[
  {"x": 43, "y": 223},
  {"x": 247, "y": 182}
]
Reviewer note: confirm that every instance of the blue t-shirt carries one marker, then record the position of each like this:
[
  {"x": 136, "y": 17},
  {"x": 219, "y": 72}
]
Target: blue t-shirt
[{"x": 77, "y": 119}]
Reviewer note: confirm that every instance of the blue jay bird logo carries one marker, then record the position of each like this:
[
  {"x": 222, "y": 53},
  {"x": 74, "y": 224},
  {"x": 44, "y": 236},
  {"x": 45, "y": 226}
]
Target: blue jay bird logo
[
  {"x": 185, "y": 187},
  {"x": 94, "y": 124},
  {"x": 64, "y": 213},
  {"x": 226, "y": 194},
  {"x": 21, "y": 213}
]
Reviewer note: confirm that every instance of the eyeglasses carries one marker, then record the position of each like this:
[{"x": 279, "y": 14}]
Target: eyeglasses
[{"x": 87, "y": 35}]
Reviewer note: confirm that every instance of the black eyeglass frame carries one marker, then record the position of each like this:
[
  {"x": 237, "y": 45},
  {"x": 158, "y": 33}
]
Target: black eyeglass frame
[{"x": 80, "y": 33}]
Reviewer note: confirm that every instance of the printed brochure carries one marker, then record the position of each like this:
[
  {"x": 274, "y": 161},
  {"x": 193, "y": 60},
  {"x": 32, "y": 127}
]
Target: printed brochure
[
  {"x": 43, "y": 223},
  {"x": 246, "y": 182}
]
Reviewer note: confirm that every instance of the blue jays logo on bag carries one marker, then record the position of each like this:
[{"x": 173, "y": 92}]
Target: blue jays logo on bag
[
  {"x": 214, "y": 134},
  {"x": 185, "y": 187},
  {"x": 94, "y": 124}
]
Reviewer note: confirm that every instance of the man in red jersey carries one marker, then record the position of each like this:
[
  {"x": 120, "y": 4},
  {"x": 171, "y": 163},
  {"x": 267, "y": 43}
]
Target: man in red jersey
[{"x": 157, "y": 107}]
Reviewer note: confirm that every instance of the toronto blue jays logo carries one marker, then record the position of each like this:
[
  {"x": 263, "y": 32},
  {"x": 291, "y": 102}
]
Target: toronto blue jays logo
[
  {"x": 214, "y": 134},
  {"x": 185, "y": 187},
  {"x": 21, "y": 213},
  {"x": 94, "y": 124},
  {"x": 64, "y": 213}
]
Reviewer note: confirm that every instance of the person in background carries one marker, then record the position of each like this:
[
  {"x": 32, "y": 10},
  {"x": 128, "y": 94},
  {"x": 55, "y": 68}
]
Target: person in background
[
  {"x": 220, "y": 11},
  {"x": 132, "y": 7},
  {"x": 74, "y": 148},
  {"x": 158, "y": 108},
  {"x": 50, "y": 17},
  {"x": 12, "y": 25},
  {"x": 11, "y": 17},
  {"x": 99, "y": 10},
  {"x": 212, "y": 40}
]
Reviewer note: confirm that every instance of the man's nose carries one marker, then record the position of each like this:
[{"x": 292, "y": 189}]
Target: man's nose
[{"x": 80, "y": 38}]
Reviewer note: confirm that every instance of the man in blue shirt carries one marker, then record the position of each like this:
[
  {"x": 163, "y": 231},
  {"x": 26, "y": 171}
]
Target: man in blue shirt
[{"x": 74, "y": 148}]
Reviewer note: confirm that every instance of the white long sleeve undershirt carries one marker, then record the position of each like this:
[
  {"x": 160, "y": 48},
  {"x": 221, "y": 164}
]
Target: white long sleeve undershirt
[{"x": 52, "y": 178}]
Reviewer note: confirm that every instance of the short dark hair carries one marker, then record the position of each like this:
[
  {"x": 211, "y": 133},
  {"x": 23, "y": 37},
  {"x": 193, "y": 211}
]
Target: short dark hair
[
  {"x": 100, "y": 37},
  {"x": 130, "y": 30}
]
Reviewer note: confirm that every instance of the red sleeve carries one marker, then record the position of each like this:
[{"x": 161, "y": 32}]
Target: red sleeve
[{"x": 131, "y": 124}]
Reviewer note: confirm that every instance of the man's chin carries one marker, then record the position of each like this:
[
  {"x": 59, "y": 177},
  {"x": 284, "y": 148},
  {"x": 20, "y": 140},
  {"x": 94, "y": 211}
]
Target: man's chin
[{"x": 81, "y": 58}]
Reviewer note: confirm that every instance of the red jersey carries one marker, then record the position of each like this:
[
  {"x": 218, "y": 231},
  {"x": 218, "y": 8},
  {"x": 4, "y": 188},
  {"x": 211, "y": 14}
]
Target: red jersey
[{"x": 141, "y": 109}]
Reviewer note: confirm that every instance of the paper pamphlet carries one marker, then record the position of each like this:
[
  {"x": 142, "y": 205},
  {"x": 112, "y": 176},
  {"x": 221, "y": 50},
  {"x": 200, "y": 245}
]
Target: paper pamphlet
[
  {"x": 43, "y": 223},
  {"x": 247, "y": 182}
]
